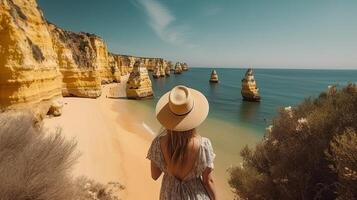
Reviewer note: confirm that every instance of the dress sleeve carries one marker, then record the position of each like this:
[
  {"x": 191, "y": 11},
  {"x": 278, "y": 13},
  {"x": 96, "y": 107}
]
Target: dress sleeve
[
  {"x": 209, "y": 154},
  {"x": 154, "y": 154}
]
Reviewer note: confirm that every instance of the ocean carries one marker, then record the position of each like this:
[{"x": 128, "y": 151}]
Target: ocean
[{"x": 233, "y": 123}]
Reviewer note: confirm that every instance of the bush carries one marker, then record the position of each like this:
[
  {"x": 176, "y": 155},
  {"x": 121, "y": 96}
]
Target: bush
[
  {"x": 34, "y": 165},
  {"x": 309, "y": 153},
  {"x": 87, "y": 189}
]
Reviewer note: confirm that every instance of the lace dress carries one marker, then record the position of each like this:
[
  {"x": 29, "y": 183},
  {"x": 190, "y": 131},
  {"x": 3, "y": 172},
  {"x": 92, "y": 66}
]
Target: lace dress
[{"x": 191, "y": 188}]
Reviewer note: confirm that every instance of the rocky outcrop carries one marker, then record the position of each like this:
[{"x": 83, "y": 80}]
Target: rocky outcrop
[
  {"x": 156, "y": 72},
  {"x": 159, "y": 71},
  {"x": 214, "y": 77},
  {"x": 40, "y": 61},
  {"x": 178, "y": 68},
  {"x": 77, "y": 63},
  {"x": 29, "y": 72},
  {"x": 139, "y": 84},
  {"x": 55, "y": 108},
  {"x": 167, "y": 67},
  {"x": 184, "y": 66},
  {"x": 122, "y": 63},
  {"x": 250, "y": 91},
  {"x": 114, "y": 69},
  {"x": 151, "y": 63}
]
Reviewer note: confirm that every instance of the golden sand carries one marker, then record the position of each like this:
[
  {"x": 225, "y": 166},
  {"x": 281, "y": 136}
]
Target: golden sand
[{"x": 114, "y": 135}]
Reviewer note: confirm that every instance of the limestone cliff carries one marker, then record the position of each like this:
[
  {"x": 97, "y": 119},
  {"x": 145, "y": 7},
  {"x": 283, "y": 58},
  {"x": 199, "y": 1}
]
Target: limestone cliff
[
  {"x": 139, "y": 84},
  {"x": 151, "y": 63},
  {"x": 122, "y": 63},
  {"x": 40, "y": 61},
  {"x": 77, "y": 63},
  {"x": 28, "y": 69}
]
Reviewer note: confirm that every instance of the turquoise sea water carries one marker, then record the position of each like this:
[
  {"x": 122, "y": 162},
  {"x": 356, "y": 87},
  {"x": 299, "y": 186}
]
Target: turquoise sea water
[
  {"x": 278, "y": 88},
  {"x": 232, "y": 123}
]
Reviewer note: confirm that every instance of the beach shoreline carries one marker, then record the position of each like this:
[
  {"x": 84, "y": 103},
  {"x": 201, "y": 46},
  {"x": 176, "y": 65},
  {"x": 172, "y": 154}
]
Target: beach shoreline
[
  {"x": 109, "y": 151},
  {"x": 114, "y": 135}
]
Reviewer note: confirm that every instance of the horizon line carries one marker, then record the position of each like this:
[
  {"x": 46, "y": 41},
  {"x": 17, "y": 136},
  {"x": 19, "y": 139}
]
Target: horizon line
[{"x": 279, "y": 67}]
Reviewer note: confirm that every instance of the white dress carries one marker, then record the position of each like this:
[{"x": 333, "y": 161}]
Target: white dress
[{"x": 191, "y": 188}]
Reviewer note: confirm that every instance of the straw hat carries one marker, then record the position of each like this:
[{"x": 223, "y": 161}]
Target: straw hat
[{"x": 182, "y": 109}]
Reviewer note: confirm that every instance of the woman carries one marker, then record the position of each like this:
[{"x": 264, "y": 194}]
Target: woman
[{"x": 185, "y": 158}]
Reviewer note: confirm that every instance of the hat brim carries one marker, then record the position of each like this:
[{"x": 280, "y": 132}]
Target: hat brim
[{"x": 192, "y": 120}]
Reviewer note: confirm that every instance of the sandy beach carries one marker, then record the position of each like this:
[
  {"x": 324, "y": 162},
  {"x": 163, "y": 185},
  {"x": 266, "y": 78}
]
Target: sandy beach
[
  {"x": 114, "y": 135},
  {"x": 111, "y": 149}
]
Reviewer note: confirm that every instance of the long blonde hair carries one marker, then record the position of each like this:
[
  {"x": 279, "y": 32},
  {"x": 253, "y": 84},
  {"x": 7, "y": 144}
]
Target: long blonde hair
[{"x": 178, "y": 143}]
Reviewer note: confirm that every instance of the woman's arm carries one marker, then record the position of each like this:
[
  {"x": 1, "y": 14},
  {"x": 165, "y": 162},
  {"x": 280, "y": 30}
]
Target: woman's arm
[
  {"x": 208, "y": 183},
  {"x": 155, "y": 171}
]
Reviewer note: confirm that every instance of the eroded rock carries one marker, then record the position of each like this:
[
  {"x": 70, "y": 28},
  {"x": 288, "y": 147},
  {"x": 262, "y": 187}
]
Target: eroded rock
[
  {"x": 139, "y": 84},
  {"x": 214, "y": 77},
  {"x": 250, "y": 91}
]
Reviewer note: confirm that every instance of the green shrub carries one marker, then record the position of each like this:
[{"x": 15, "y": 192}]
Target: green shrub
[{"x": 309, "y": 153}]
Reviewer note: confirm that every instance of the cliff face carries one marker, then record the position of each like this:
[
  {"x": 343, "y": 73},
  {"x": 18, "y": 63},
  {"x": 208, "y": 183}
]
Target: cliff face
[
  {"x": 139, "y": 84},
  {"x": 123, "y": 63},
  {"x": 151, "y": 63},
  {"x": 28, "y": 69},
  {"x": 76, "y": 60},
  {"x": 39, "y": 61}
]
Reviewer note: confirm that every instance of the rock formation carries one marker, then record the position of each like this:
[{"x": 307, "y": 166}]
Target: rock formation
[
  {"x": 151, "y": 63},
  {"x": 167, "y": 68},
  {"x": 123, "y": 63},
  {"x": 162, "y": 70},
  {"x": 40, "y": 61},
  {"x": 29, "y": 72},
  {"x": 249, "y": 92},
  {"x": 55, "y": 108},
  {"x": 77, "y": 63},
  {"x": 184, "y": 67},
  {"x": 178, "y": 68},
  {"x": 139, "y": 84},
  {"x": 156, "y": 72},
  {"x": 171, "y": 66},
  {"x": 214, "y": 77}
]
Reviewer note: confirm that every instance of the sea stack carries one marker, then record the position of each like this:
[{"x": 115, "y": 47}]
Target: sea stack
[
  {"x": 167, "y": 68},
  {"x": 214, "y": 77},
  {"x": 178, "y": 68},
  {"x": 250, "y": 91},
  {"x": 162, "y": 70},
  {"x": 184, "y": 67},
  {"x": 156, "y": 72},
  {"x": 139, "y": 84}
]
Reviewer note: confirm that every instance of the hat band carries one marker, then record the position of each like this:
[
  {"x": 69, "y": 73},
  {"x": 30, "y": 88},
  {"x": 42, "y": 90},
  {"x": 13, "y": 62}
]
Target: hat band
[{"x": 193, "y": 105}]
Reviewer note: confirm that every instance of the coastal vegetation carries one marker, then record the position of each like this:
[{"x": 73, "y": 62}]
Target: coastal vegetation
[
  {"x": 37, "y": 165},
  {"x": 309, "y": 152}
]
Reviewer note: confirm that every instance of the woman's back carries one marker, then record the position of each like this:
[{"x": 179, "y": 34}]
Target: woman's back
[
  {"x": 185, "y": 158},
  {"x": 183, "y": 181},
  {"x": 182, "y": 169}
]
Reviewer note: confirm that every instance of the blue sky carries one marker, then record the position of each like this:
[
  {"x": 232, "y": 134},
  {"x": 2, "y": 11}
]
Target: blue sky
[{"x": 220, "y": 33}]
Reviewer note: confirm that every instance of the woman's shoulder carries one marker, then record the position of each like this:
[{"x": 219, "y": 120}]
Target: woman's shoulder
[
  {"x": 207, "y": 155},
  {"x": 206, "y": 142}
]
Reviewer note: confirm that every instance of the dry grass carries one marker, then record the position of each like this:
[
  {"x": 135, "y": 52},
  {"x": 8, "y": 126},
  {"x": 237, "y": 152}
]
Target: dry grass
[{"x": 33, "y": 165}]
